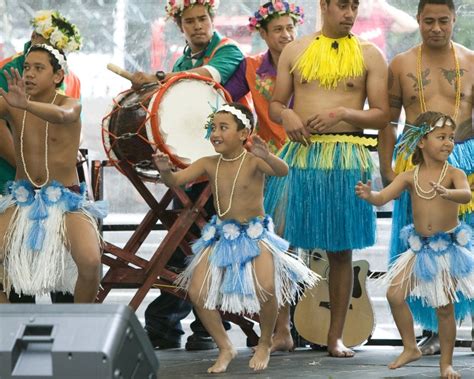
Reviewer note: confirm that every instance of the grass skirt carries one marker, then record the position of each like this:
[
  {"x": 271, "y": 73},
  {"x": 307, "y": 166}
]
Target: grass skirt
[
  {"x": 441, "y": 270},
  {"x": 315, "y": 206},
  {"x": 37, "y": 259},
  {"x": 230, "y": 283},
  {"x": 461, "y": 158}
]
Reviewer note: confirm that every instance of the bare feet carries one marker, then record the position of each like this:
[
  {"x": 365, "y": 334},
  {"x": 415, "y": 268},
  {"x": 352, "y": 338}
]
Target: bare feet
[
  {"x": 282, "y": 342},
  {"x": 407, "y": 356},
  {"x": 223, "y": 360},
  {"x": 449, "y": 373},
  {"x": 261, "y": 357},
  {"x": 431, "y": 346},
  {"x": 339, "y": 350}
]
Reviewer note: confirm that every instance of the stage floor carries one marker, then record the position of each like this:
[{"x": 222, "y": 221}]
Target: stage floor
[{"x": 369, "y": 362}]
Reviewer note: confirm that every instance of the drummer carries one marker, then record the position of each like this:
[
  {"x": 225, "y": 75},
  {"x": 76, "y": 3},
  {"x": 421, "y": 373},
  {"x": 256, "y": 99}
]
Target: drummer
[{"x": 209, "y": 54}]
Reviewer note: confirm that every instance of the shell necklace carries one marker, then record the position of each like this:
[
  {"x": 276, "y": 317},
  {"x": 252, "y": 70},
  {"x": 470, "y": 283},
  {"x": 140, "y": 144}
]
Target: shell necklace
[
  {"x": 23, "y": 161},
  {"x": 221, "y": 158},
  {"x": 428, "y": 195},
  {"x": 457, "y": 85}
]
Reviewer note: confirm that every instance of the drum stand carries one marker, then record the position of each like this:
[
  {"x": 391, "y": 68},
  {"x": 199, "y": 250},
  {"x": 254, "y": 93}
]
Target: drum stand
[{"x": 127, "y": 270}]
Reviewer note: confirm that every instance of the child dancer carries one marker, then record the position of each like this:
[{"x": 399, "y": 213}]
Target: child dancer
[
  {"x": 438, "y": 266},
  {"x": 240, "y": 265}
]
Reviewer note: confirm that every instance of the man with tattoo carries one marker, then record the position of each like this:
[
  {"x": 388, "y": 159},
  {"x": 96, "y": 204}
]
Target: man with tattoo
[{"x": 436, "y": 75}]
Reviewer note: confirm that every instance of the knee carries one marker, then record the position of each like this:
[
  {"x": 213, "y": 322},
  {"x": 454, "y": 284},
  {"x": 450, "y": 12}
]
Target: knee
[
  {"x": 195, "y": 296},
  {"x": 445, "y": 312},
  {"x": 395, "y": 297},
  {"x": 89, "y": 267},
  {"x": 266, "y": 291}
]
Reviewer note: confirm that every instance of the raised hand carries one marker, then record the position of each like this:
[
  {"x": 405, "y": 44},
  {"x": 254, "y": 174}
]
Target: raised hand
[
  {"x": 440, "y": 190},
  {"x": 16, "y": 95},
  {"x": 259, "y": 147},
  {"x": 162, "y": 161},
  {"x": 363, "y": 190}
]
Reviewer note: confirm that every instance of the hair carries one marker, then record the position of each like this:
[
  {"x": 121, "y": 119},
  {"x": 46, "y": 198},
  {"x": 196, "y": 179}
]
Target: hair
[
  {"x": 210, "y": 12},
  {"x": 422, "y": 3},
  {"x": 52, "y": 59},
  {"x": 429, "y": 118},
  {"x": 264, "y": 23}
]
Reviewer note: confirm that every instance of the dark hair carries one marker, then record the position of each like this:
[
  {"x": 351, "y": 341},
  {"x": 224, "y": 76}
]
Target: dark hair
[
  {"x": 52, "y": 59},
  {"x": 247, "y": 112},
  {"x": 422, "y": 3},
  {"x": 428, "y": 118},
  {"x": 264, "y": 23},
  {"x": 210, "y": 12}
]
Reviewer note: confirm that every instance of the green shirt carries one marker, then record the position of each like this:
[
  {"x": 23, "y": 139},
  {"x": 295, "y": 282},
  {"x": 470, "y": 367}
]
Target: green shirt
[{"x": 225, "y": 60}]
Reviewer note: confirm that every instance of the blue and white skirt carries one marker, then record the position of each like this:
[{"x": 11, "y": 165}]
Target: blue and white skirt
[
  {"x": 37, "y": 259},
  {"x": 230, "y": 248},
  {"x": 440, "y": 269}
]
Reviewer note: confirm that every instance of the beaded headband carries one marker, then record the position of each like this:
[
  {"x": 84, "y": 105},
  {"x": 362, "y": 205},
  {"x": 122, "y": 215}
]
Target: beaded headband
[
  {"x": 412, "y": 136},
  {"x": 56, "y": 54},
  {"x": 174, "y": 8},
  {"x": 275, "y": 8}
]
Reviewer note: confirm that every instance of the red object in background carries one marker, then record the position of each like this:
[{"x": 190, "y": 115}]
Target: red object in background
[{"x": 374, "y": 29}]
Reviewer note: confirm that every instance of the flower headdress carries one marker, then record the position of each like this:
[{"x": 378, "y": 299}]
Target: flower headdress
[
  {"x": 412, "y": 136},
  {"x": 275, "y": 8},
  {"x": 56, "y": 54},
  {"x": 61, "y": 34},
  {"x": 174, "y": 8}
]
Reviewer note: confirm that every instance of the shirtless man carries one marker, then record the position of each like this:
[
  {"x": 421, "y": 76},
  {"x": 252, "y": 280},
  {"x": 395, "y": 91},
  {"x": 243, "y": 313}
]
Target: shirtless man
[
  {"x": 49, "y": 239},
  {"x": 330, "y": 74},
  {"x": 438, "y": 64}
]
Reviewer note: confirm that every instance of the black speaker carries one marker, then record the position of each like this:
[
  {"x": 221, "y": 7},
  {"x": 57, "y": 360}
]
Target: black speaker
[{"x": 74, "y": 341}]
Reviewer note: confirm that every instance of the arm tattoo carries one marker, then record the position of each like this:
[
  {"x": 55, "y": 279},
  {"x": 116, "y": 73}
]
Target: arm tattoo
[
  {"x": 391, "y": 78},
  {"x": 395, "y": 101},
  {"x": 424, "y": 79}
]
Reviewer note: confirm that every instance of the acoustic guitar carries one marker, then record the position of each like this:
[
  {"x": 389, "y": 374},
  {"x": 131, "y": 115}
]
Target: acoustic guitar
[{"x": 312, "y": 313}]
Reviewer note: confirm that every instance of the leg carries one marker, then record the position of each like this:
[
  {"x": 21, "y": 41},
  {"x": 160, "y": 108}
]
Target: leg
[
  {"x": 282, "y": 339},
  {"x": 396, "y": 296},
  {"x": 340, "y": 290},
  {"x": 85, "y": 252},
  {"x": 447, "y": 339},
  {"x": 211, "y": 319},
  {"x": 264, "y": 276}
]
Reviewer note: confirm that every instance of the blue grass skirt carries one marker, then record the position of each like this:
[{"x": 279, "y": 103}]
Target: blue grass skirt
[
  {"x": 461, "y": 158},
  {"x": 440, "y": 269},
  {"x": 36, "y": 253},
  {"x": 315, "y": 206},
  {"x": 230, "y": 248}
]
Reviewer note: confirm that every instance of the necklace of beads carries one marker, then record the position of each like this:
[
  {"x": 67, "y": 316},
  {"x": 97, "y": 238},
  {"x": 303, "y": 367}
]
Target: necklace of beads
[
  {"x": 428, "y": 195},
  {"x": 221, "y": 158},
  {"x": 457, "y": 102},
  {"x": 23, "y": 161}
]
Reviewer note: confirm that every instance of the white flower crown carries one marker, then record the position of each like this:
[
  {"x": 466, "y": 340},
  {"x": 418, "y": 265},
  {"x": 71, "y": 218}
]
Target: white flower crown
[
  {"x": 59, "y": 57},
  {"x": 60, "y": 33}
]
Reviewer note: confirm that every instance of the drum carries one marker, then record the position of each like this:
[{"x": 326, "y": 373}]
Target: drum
[{"x": 169, "y": 117}]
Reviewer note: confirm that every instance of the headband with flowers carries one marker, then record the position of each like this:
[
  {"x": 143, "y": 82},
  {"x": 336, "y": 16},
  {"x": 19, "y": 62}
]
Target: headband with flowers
[
  {"x": 174, "y": 8},
  {"x": 273, "y": 9},
  {"x": 412, "y": 136},
  {"x": 61, "y": 34}
]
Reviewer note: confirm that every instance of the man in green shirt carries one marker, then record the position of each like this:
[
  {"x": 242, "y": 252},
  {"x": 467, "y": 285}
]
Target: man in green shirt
[{"x": 209, "y": 54}]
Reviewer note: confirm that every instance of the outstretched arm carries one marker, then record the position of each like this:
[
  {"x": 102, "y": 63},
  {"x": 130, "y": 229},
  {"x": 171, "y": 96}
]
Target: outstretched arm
[
  {"x": 69, "y": 111},
  {"x": 364, "y": 191},
  {"x": 269, "y": 164},
  {"x": 179, "y": 178},
  {"x": 461, "y": 193}
]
